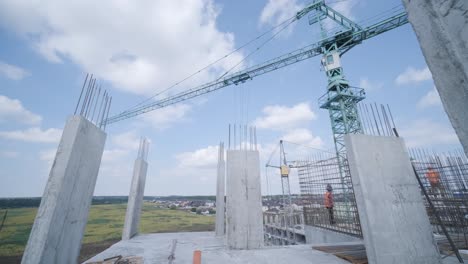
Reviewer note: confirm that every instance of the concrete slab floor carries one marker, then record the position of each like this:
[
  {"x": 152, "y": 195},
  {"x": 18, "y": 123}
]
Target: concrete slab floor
[{"x": 156, "y": 248}]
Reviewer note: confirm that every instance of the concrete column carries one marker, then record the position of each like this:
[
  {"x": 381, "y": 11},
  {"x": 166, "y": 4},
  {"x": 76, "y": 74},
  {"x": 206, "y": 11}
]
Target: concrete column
[
  {"x": 220, "y": 192},
  {"x": 61, "y": 219},
  {"x": 137, "y": 191},
  {"x": 244, "y": 200},
  {"x": 442, "y": 31},
  {"x": 393, "y": 218}
]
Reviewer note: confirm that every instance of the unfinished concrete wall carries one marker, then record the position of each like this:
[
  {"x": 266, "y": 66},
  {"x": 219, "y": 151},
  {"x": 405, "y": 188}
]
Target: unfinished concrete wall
[
  {"x": 393, "y": 218},
  {"x": 61, "y": 219},
  {"x": 244, "y": 200},
  {"x": 220, "y": 192},
  {"x": 442, "y": 31},
  {"x": 316, "y": 235},
  {"x": 137, "y": 191}
]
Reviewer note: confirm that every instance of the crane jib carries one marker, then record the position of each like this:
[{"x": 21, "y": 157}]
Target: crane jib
[{"x": 345, "y": 41}]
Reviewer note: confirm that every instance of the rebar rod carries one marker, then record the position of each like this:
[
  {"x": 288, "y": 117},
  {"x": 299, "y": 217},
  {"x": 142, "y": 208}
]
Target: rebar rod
[{"x": 82, "y": 89}]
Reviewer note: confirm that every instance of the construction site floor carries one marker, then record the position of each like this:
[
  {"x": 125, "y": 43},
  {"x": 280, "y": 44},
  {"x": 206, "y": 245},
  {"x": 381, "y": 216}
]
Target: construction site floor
[{"x": 157, "y": 248}]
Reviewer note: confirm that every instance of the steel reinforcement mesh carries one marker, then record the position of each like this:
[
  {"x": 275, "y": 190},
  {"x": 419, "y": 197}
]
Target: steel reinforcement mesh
[
  {"x": 315, "y": 174},
  {"x": 445, "y": 178}
]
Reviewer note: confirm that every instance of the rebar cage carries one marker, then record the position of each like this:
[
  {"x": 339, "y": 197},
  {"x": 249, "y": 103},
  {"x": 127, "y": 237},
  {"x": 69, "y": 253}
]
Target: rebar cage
[
  {"x": 445, "y": 178},
  {"x": 315, "y": 174}
]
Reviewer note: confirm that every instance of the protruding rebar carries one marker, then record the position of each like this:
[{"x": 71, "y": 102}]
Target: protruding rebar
[
  {"x": 108, "y": 110},
  {"x": 90, "y": 100},
  {"x": 103, "y": 111},
  {"x": 83, "y": 105},
  {"x": 96, "y": 103},
  {"x": 81, "y": 94}
]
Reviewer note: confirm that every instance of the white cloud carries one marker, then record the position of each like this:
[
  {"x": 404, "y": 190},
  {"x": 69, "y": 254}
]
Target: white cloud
[
  {"x": 368, "y": 85},
  {"x": 304, "y": 137},
  {"x": 195, "y": 170},
  {"x": 200, "y": 158},
  {"x": 427, "y": 133},
  {"x": 167, "y": 116},
  {"x": 13, "y": 110},
  {"x": 277, "y": 11},
  {"x": 12, "y": 72},
  {"x": 345, "y": 8},
  {"x": 413, "y": 76},
  {"x": 35, "y": 134},
  {"x": 282, "y": 117},
  {"x": 127, "y": 140},
  {"x": 9, "y": 154},
  {"x": 139, "y": 46},
  {"x": 117, "y": 164},
  {"x": 432, "y": 98}
]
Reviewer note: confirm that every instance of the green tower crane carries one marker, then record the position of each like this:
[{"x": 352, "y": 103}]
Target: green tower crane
[{"x": 340, "y": 98}]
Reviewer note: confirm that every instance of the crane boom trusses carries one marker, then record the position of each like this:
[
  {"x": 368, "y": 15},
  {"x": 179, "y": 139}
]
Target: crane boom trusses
[{"x": 346, "y": 41}]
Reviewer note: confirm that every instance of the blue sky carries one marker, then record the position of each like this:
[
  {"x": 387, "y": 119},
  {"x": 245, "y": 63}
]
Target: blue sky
[{"x": 137, "y": 48}]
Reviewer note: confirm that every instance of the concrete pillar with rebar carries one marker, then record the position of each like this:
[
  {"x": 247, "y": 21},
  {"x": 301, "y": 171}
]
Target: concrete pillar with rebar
[
  {"x": 137, "y": 190},
  {"x": 244, "y": 200},
  {"x": 61, "y": 219},
  {"x": 393, "y": 218}
]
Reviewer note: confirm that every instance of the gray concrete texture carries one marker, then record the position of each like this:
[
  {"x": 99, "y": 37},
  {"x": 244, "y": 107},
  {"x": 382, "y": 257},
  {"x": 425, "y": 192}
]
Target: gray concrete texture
[
  {"x": 442, "y": 31},
  {"x": 156, "y": 248},
  {"x": 393, "y": 218},
  {"x": 135, "y": 198},
  {"x": 220, "y": 193},
  {"x": 61, "y": 219},
  {"x": 316, "y": 235},
  {"x": 244, "y": 200}
]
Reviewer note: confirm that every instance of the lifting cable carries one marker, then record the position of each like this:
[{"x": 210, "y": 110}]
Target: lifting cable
[{"x": 290, "y": 20}]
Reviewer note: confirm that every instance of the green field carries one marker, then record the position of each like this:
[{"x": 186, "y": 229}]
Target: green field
[{"x": 105, "y": 223}]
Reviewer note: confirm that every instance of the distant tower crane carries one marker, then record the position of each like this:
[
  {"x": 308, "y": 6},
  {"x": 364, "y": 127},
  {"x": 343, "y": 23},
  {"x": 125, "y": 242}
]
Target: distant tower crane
[
  {"x": 284, "y": 169},
  {"x": 340, "y": 99}
]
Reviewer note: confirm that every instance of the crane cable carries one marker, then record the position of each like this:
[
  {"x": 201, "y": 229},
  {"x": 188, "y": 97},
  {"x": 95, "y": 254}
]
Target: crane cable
[
  {"x": 290, "y": 20},
  {"x": 257, "y": 49}
]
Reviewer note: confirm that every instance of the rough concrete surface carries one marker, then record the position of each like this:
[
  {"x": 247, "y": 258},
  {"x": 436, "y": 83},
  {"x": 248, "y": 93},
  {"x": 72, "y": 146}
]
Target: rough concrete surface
[
  {"x": 442, "y": 31},
  {"x": 220, "y": 193},
  {"x": 156, "y": 248},
  {"x": 393, "y": 218},
  {"x": 135, "y": 199},
  {"x": 244, "y": 200},
  {"x": 61, "y": 219},
  {"x": 315, "y": 235}
]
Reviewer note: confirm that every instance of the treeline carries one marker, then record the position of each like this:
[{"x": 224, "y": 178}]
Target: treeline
[
  {"x": 181, "y": 198},
  {"x": 35, "y": 201}
]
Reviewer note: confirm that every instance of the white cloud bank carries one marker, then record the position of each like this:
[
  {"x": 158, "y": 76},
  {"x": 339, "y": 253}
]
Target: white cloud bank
[
  {"x": 13, "y": 110},
  {"x": 413, "y": 76},
  {"x": 139, "y": 46},
  {"x": 277, "y": 11},
  {"x": 427, "y": 133},
  {"x": 13, "y": 72},
  {"x": 34, "y": 134},
  {"x": 165, "y": 117},
  {"x": 279, "y": 117},
  {"x": 431, "y": 98},
  {"x": 369, "y": 85}
]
